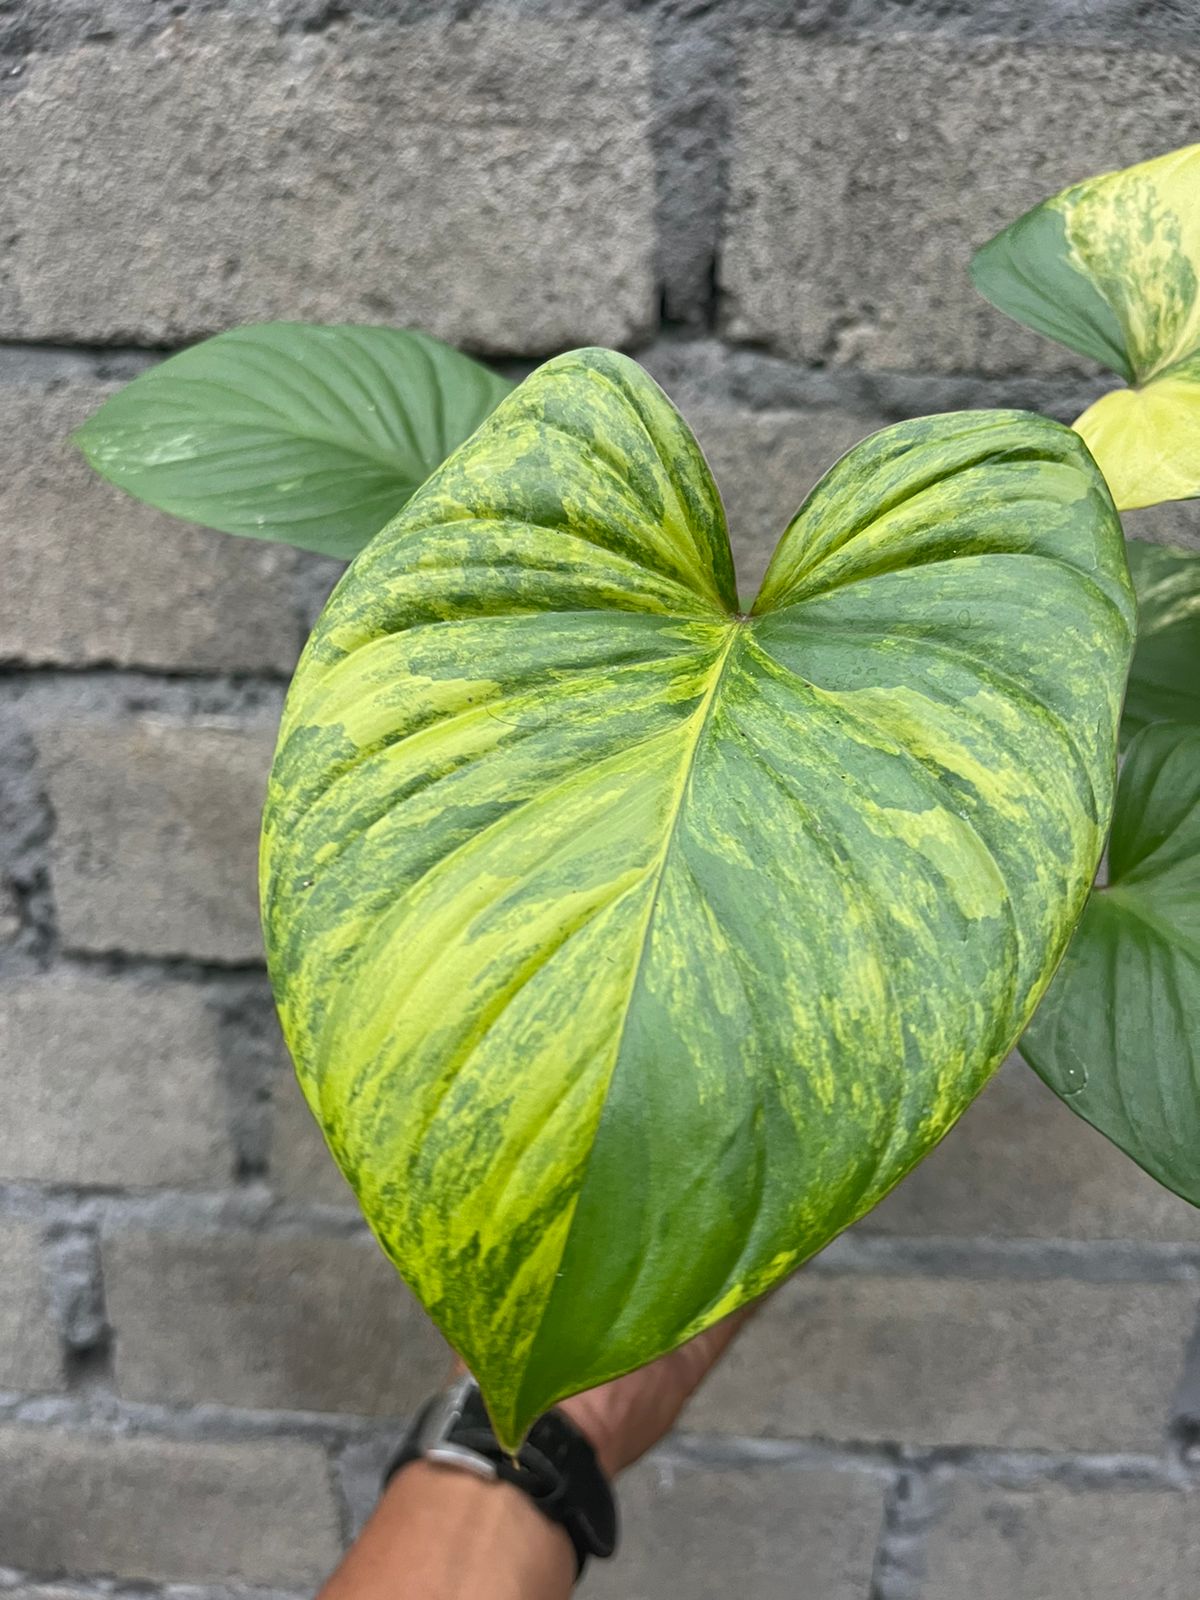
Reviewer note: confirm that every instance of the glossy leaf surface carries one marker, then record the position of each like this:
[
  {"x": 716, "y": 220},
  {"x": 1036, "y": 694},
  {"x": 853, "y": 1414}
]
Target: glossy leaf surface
[
  {"x": 286, "y": 430},
  {"x": 1111, "y": 268},
  {"x": 629, "y": 947},
  {"x": 1118, "y": 1035},
  {"x": 1164, "y": 681}
]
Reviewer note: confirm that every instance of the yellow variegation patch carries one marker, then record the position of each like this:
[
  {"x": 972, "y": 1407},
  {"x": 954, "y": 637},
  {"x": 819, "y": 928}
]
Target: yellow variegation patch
[
  {"x": 1111, "y": 267},
  {"x": 630, "y": 946}
]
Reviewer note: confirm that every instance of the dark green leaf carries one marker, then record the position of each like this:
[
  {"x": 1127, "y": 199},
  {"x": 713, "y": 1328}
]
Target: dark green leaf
[
  {"x": 1164, "y": 681},
  {"x": 313, "y": 435},
  {"x": 1118, "y": 1034}
]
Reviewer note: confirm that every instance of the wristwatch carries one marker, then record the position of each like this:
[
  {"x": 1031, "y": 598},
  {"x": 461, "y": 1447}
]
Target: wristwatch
[{"x": 556, "y": 1466}]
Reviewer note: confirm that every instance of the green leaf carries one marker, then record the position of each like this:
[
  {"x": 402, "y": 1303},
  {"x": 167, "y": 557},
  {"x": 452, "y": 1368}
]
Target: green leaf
[
  {"x": 313, "y": 435},
  {"x": 1164, "y": 681},
  {"x": 1118, "y": 1035},
  {"x": 628, "y": 946},
  {"x": 1111, "y": 268}
]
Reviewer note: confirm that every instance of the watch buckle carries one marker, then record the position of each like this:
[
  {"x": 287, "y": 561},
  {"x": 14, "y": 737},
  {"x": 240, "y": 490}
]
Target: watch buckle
[{"x": 434, "y": 1442}]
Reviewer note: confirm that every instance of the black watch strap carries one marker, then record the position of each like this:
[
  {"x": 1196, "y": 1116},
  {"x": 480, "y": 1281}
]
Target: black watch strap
[{"x": 556, "y": 1466}]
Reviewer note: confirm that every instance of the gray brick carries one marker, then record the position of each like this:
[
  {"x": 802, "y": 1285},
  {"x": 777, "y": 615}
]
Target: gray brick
[
  {"x": 1019, "y": 1164},
  {"x": 774, "y": 1534},
  {"x": 765, "y": 462},
  {"x": 1177, "y": 523},
  {"x": 119, "y": 1084},
  {"x": 92, "y": 576},
  {"x": 491, "y": 182},
  {"x": 1054, "y": 1365},
  {"x": 30, "y": 1357},
  {"x": 304, "y": 1324},
  {"x": 163, "y": 1510},
  {"x": 1052, "y": 1544},
  {"x": 864, "y": 175},
  {"x": 156, "y": 844},
  {"x": 36, "y": 1590},
  {"x": 300, "y": 1165}
]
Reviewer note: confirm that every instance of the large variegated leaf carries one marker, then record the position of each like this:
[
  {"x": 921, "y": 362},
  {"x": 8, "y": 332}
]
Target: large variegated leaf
[
  {"x": 1118, "y": 1035},
  {"x": 1164, "y": 681},
  {"x": 291, "y": 430},
  {"x": 628, "y": 946},
  {"x": 1111, "y": 268}
]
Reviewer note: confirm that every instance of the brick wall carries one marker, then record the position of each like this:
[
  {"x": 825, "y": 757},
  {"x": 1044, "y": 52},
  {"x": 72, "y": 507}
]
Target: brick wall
[{"x": 989, "y": 1388}]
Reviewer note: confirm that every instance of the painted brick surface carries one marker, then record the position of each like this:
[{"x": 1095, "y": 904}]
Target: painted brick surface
[
  {"x": 705, "y": 1535},
  {"x": 997, "y": 1391},
  {"x": 29, "y": 1353},
  {"x": 863, "y": 176},
  {"x": 152, "y": 1509},
  {"x": 1107, "y": 1544},
  {"x": 119, "y": 1085},
  {"x": 489, "y": 182},
  {"x": 92, "y": 576},
  {"x": 1020, "y": 1165},
  {"x": 300, "y": 1166},
  {"x": 32, "y": 1590},
  {"x": 301, "y": 1324},
  {"x": 922, "y": 1360},
  {"x": 1177, "y": 524},
  {"x": 156, "y": 844}
]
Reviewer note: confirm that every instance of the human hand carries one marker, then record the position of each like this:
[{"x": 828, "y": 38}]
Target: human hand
[
  {"x": 439, "y": 1535},
  {"x": 626, "y": 1417}
]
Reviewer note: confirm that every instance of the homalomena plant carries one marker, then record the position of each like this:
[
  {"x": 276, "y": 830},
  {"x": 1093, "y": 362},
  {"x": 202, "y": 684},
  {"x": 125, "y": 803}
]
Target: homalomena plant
[
  {"x": 1111, "y": 267},
  {"x": 630, "y": 944}
]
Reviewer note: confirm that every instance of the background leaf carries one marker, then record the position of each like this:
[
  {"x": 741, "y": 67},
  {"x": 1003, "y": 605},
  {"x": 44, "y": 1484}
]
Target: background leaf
[
  {"x": 286, "y": 430},
  {"x": 1111, "y": 268},
  {"x": 1164, "y": 681},
  {"x": 628, "y": 948},
  {"x": 1118, "y": 1035}
]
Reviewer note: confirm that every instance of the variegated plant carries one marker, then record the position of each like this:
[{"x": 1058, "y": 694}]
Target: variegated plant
[
  {"x": 630, "y": 944},
  {"x": 1111, "y": 268}
]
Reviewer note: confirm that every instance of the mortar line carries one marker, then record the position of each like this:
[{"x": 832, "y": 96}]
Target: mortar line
[
  {"x": 1004, "y": 1466},
  {"x": 1185, "y": 1408},
  {"x": 107, "y": 1416},
  {"x": 900, "y": 1549},
  {"x": 693, "y": 68},
  {"x": 17, "y": 670},
  {"x": 255, "y": 1207},
  {"x": 28, "y": 1582},
  {"x": 131, "y": 965},
  {"x": 251, "y": 1208},
  {"x": 669, "y": 337}
]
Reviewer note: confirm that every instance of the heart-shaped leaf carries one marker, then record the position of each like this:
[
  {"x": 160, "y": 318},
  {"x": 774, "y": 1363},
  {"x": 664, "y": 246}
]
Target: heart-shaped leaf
[
  {"x": 1111, "y": 268},
  {"x": 628, "y": 946},
  {"x": 286, "y": 430},
  {"x": 1164, "y": 681},
  {"x": 1118, "y": 1035}
]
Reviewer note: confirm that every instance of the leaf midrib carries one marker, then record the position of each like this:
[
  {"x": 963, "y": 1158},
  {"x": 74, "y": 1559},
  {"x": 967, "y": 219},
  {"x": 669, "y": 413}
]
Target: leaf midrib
[
  {"x": 293, "y": 436},
  {"x": 702, "y": 716}
]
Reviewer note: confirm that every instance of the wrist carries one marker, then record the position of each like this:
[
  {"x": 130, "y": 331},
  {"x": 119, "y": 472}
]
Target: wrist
[
  {"x": 486, "y": 1527},
  {"x": 599, "y": 1431},
  {"x": 439, "y": 1534}
]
